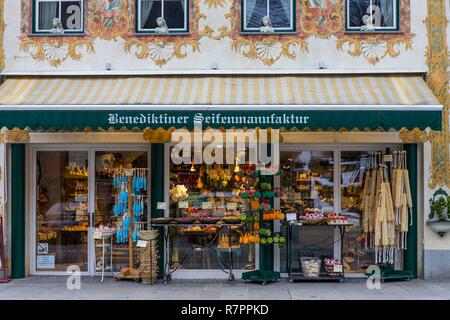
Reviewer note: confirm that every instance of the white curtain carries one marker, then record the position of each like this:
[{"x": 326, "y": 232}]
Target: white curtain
[
  {"x": 47, "y": 12},
  {"x": 146, "y": 7},
  {"x": 251, "y": 5},
  {"x": 287, "y": 8},
  {"x": 387, "y": 11}
]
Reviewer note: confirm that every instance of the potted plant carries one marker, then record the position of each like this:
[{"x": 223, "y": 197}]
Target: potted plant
[{"x": 439, "y": 220}]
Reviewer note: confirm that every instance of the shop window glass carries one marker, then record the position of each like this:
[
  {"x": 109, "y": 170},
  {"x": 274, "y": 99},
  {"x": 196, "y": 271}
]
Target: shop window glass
[
  {"x": 212, "y": 192},
  {"x": 280, "y": 13},
  {"x": 58, "y": 16},
  {"x": 106, "y": 164},
  {"x": 307, "y": 183},
  {"x": 62, "y": 218},
  {"x": 172, "y": 12},
  {"x": 354, "y": 165},
  {"x": 372, "y": 15}
]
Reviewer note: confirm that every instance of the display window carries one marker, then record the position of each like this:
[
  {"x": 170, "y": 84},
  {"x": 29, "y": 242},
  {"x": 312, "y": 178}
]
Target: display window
[
  {"x": 317, "y": 183},
  {"x": 211, "y": 195}
]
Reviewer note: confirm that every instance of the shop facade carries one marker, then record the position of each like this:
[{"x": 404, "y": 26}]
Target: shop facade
[
  {"x": 81, "y": 109},
  {"x": 68, "y": 175}
]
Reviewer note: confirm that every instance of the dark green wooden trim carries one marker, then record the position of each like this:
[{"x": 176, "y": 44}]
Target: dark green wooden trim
[
  {"x": 66, "y": 32},
  {"x": 157, "y": 188},
  {"x": 292, "y": 30},
  {"x": 410, "y": 259},
  {"x": 140, "y": 32},
  {"x": 355, "y": 30},
  {"x": 18, "y": 211}
]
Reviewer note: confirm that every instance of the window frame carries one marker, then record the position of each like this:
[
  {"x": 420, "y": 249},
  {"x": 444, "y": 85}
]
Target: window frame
[
  {"x": 293, "y": 21},
  {"x": 35, "y": 19},
  {"x": 175, "y": 31},
  {"x": 394, "y": 29}
]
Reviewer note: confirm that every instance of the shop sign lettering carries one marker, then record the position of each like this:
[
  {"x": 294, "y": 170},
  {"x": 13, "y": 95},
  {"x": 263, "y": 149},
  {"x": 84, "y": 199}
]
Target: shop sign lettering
[{"x": 290, "y": 118}]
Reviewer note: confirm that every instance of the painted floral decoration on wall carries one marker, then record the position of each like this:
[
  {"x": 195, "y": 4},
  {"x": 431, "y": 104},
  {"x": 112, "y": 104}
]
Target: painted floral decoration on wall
[{"x": 108, "y": 19}]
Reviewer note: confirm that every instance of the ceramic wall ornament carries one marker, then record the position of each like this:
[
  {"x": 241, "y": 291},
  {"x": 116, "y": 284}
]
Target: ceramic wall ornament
[
  {"x": 109, "y": 19},
  {"x": 375, "y": 47},
  {"x": 438, "y": 81},
  {"x": 321, "y": 19}
]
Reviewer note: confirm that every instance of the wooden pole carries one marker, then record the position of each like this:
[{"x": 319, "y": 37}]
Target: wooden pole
[{"x": 130, "y": 229}]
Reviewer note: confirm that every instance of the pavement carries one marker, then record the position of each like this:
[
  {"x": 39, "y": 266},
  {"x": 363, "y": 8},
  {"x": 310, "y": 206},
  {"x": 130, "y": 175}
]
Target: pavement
[{"x": 55, "y": 288}]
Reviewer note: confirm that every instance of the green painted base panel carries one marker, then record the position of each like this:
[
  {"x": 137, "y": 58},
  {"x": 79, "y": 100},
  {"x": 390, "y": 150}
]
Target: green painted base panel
[
  {"x": 260, "y": 276},
  {"x": 395, "y": 275}
]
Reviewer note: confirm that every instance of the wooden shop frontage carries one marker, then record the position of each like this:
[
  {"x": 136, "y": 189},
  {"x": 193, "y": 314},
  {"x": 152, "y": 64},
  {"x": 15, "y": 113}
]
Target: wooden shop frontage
[{"x": 89, "y": 182}]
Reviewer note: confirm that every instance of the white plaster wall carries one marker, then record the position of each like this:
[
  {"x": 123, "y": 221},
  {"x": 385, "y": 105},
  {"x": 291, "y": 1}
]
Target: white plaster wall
[{"x": 214, "y": 51}]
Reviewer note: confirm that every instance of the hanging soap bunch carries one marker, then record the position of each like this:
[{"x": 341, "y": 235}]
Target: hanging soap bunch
[
  {"x": 121, "y": 204},
  {"x": 139, "y": 181},
  {"x": 385, "y": 206},
  {"x": 123, "y": 229},
  {"x": 402, "y": 197}
]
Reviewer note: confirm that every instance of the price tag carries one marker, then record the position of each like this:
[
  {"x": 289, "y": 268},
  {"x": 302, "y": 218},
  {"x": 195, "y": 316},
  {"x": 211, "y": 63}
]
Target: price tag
[
  {"x": 337, "y": 268},
  {"x": 388, "y": 158},
  {"x": 80, "y": 198},
  {"x": 161, "y": 206},
  {"x": 291, "y": 216},
  {"x": 231, "y": 205},
  {"x": 97, "y": 235},
  {"x": 141, "y": 243},
  {"x": 206, "y": 205},
  {"x": 129, "y": 172},
  {"x": 183, "y": 204}
]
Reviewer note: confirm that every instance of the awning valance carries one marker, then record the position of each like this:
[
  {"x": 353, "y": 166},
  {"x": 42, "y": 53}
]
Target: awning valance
[
  {"x": 277, "y": 101},
  {"x": 219, "y": 90}
]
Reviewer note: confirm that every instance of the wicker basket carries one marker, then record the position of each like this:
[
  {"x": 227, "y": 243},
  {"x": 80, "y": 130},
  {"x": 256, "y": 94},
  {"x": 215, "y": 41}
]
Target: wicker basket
[
  {"x": 310, "y": 267},
  {"x": 317, "y": 221},
  {"x": 331, "y": 273},
  {"x": 148, "y": 235}
]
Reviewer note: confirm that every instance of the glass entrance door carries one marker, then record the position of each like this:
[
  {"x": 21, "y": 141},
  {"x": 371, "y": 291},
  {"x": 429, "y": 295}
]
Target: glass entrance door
[
  {"x": 73, "y": 193},
  {"x": 107, "y": 164},
  {"x": 62, "y": 219}
]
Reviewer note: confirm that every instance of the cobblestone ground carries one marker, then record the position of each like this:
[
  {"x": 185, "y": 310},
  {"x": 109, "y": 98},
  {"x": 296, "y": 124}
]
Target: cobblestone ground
[{"x": 40, "y": 287}]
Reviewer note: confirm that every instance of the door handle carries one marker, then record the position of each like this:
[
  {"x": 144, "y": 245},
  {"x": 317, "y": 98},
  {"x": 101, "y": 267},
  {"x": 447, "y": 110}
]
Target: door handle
[{"x": 91, "y": 219}]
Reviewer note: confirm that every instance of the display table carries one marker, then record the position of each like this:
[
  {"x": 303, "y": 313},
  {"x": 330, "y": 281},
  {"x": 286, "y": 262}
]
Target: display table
[
  {"x": 197, "y": 247},
  {"x": 104, "y": 236},
  {"x": 323, "y": 276}
]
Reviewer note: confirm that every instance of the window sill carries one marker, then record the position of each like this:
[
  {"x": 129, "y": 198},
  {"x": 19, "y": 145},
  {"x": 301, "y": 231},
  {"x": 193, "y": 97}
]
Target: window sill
[
  {"x": 154, "y": 34},
  {"x": 374, "y": 32},
  {"x": 71, "y": 34},
  {"x": 276, "y": 33}
]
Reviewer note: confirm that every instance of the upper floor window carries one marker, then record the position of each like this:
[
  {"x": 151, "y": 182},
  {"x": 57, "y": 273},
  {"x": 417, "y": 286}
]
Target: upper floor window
[
  {"x": 372, "y": 15},
  {"x": 58, "y": 16},
  {"x": 162, "y": 16},
  {"x": 268, "y": 16}
]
